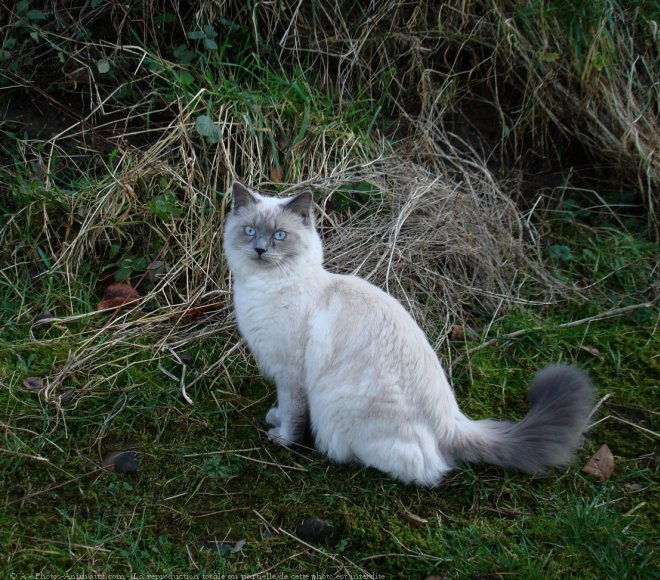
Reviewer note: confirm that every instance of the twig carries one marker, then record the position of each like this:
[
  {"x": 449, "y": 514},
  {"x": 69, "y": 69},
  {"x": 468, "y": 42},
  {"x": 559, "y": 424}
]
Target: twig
[
  {"x": 643, "y": 429},
  {"x": 276, "y": 566},
  {"x": 313, "y": 548},
  {"x": 279, "y": 465},
  {"x": 58, "y": 485},
  {"x": 602, "y": 316}
]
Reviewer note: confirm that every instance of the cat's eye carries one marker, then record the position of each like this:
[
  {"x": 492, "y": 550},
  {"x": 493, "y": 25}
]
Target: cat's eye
[
  {"x": 279, "y": 235},
  {"x": 249, "y": 231}
]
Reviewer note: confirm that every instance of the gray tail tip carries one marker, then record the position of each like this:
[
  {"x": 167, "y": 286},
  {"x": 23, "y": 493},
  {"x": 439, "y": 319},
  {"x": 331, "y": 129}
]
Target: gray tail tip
[{"x": 562, "y": 385}]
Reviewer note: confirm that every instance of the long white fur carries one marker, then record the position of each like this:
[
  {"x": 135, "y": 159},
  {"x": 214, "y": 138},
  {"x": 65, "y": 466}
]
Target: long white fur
[{"x": 342, "y": 353}]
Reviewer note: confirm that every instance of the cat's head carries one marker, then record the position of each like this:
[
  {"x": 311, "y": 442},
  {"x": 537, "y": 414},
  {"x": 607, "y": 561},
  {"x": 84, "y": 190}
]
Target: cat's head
[{"x": 263, "y": 232}]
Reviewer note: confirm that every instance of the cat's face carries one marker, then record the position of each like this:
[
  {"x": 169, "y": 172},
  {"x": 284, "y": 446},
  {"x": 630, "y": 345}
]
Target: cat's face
[{"x": 263, "y": 232}]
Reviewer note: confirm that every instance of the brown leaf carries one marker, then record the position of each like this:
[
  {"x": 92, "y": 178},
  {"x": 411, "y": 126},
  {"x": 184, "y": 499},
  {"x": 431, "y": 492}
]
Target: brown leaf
[
  {"x": 601, "y": 465},
  {"x": 463, "y": 332},
  {"x": 35, "y": 384},
  {"x": 276, "y": 174},
  {"x": 456, "y": 332},
  {"x": 197, "y": 311},
  {"x": 118, "y": 296}
]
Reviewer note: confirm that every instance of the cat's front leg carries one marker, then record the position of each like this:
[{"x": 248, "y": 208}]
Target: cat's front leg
[
  {"x": 273, "y": 417},
  {"x": 289, "y": 417}
]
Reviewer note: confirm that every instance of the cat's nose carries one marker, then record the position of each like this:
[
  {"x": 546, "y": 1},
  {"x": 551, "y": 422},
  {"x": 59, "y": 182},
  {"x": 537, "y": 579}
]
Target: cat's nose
[{"x": 260, "y": 251}]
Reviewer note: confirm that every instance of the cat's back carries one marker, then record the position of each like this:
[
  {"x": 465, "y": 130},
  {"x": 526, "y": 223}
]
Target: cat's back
[
  {"x": 356, "y": 298},
  {"x": 353, "y": 315}
]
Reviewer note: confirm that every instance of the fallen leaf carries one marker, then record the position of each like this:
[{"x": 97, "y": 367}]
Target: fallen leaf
[
  {"x": 118, "y": 296},
  {"x": 456, "y": 332},
  {"x": 460, "y": 332},
  {"x": 415, "y": 519},
  {"x": 42, "y": 320},
  {"x": 225, "y": 548},
  {"x": 276, "y": 174},
  {"x": 601, "y": 465},
  {"x": 592, "y": 350},
  {"x": 125, "y": 462},
  {"x": 197, "y": 311},
  {"x": 35, "y": 384}
]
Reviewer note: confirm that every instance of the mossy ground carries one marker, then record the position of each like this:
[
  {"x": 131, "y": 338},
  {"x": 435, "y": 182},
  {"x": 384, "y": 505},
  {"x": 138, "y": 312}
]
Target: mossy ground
[{"x": 208, "y": 473}]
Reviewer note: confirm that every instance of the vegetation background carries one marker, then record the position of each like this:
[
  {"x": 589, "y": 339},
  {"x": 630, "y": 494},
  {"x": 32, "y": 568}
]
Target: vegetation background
[{"x": 493, "y": 164}]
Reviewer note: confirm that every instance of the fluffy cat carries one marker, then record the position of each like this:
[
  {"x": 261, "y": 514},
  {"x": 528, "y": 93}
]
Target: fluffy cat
[{"x": 350, "y": 360}]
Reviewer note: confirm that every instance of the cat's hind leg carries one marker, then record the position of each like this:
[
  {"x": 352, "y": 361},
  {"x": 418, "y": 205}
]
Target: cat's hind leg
[{"x": 413, "y": 462}]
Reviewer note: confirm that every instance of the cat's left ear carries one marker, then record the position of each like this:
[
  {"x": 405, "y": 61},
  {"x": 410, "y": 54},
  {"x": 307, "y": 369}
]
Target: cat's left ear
[{"x": 303, "y": 206}]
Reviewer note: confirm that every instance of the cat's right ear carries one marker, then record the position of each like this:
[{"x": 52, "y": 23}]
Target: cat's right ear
[{"x": 241, "y": 195}]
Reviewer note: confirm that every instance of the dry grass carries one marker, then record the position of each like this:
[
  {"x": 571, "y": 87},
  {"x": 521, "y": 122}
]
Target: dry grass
[
  {"x": 550, "y": 76},
  {"x": 422, "y": 219},
  {"x": 424, "y": 216},
  {"x": 446, "y": 243}
]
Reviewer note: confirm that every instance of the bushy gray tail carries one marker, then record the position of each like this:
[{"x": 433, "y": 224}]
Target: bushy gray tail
[{"x": 561, "y": 399}]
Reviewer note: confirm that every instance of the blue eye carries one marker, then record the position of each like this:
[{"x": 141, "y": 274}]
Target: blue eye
[
  {"x": 249, "y": 231},
  {"x": 279, "y": 235}
]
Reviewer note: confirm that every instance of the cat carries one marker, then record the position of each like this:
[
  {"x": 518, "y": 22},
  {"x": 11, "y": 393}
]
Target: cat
[{"x": 351, "y": 362}]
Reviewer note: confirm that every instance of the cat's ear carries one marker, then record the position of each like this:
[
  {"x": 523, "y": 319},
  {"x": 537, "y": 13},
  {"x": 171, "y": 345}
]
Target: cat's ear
[
  {"x": 303, "y": 206},
  {"x": 241, "y": 195}
]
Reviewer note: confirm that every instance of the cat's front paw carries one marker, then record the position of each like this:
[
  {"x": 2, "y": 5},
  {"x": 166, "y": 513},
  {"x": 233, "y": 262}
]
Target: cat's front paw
[
  {"x": 279, "y": 435},
  {"x": 273, "y": 417}
]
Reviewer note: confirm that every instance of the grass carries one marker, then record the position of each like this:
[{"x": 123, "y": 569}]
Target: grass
[
  {"x": 119, "y": 173},
  {"x": 207, "y": 473}
]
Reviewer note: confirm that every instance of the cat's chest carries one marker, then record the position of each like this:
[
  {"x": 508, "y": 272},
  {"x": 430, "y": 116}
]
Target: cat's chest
[{"x": 272, "y": 323}]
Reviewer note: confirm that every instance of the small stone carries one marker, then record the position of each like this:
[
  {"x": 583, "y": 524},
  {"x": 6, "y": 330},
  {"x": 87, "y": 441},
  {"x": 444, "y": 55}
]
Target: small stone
[
  {"x": 318, "y": 531},
  {"x": 124, "y": 462}
]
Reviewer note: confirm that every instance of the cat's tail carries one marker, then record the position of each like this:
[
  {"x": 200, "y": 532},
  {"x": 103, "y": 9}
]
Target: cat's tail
[{"x": 561, "y": 400}]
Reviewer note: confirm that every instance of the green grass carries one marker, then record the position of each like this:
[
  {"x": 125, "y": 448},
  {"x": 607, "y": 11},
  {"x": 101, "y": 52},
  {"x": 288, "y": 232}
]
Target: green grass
[
  {"x": 207, "y": 472},
  {"x": 136, "y": 193}
]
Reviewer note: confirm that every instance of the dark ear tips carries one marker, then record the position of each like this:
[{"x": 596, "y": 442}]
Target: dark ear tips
[
  {"x": 302, "y": 205},
  {"x": 241, "y": 195}
]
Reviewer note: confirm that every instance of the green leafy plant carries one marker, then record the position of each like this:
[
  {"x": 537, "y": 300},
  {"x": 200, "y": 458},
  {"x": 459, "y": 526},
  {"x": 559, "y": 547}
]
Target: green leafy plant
[
  {"x": 207, "y": 35},
  {"x": 165, "y": 206}
]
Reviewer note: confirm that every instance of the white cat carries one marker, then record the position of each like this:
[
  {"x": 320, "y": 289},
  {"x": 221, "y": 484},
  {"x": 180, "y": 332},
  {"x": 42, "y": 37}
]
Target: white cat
[{"x": 349, "y": 359}]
